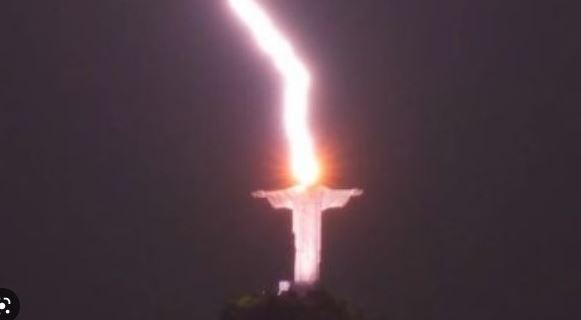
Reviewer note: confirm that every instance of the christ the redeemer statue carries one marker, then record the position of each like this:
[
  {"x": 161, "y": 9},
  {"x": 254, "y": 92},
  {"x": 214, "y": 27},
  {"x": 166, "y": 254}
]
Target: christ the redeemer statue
[{"x": 307, "y": 204}]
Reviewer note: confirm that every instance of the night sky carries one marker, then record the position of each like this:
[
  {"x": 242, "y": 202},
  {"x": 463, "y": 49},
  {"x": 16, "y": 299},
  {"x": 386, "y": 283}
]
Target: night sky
[{"x": 132, "y": 132}]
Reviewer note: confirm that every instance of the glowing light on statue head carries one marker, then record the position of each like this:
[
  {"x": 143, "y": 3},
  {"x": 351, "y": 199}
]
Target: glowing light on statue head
[{"x": 304, "y": 165}]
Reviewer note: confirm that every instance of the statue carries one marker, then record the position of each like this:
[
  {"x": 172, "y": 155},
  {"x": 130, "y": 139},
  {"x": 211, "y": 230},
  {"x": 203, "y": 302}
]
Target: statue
[{"x": 307, "y": 204}]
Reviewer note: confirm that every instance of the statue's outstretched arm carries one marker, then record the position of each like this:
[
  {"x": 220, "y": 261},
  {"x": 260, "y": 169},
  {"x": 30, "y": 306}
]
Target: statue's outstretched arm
[
  {"x": 356, "y": 192},
  {"x": 279, "y": 199},
  {"x": 339, "y": 198},
  {"x": 259, "y": 194}
]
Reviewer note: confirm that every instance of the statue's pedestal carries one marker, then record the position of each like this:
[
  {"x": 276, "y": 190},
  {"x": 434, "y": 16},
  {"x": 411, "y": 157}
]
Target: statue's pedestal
[
  {"x": 316, "y": 303},
  {"x": 299, "y": 288}
]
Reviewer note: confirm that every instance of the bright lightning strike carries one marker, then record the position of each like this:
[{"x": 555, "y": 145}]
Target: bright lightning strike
[{"x": 304, "y": 165}]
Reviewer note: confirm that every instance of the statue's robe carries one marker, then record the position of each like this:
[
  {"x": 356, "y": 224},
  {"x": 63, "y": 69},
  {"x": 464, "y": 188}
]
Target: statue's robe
[{"x": 307, "y": 205}]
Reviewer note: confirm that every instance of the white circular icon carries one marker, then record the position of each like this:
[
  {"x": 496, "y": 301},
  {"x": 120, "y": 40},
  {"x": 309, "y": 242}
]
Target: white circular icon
[{"x": 9, "y": 304}]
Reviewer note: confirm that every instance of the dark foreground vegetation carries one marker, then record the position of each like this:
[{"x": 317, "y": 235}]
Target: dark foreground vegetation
[{"x": 314, "y": 305}]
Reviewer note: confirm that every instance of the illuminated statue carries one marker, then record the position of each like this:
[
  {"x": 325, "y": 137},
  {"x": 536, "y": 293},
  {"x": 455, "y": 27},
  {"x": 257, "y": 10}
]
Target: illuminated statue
[
  {"x": 307, "y": 200},
  {"x": 307, "y": 204}
]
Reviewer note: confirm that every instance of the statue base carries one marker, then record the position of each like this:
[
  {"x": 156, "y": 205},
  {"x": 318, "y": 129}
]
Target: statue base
[{"x": 285, "y": 286}]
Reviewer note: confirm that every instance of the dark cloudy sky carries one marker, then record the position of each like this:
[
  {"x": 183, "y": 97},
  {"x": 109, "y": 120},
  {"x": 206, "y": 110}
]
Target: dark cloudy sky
[{"x": 131, "y": 133}]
